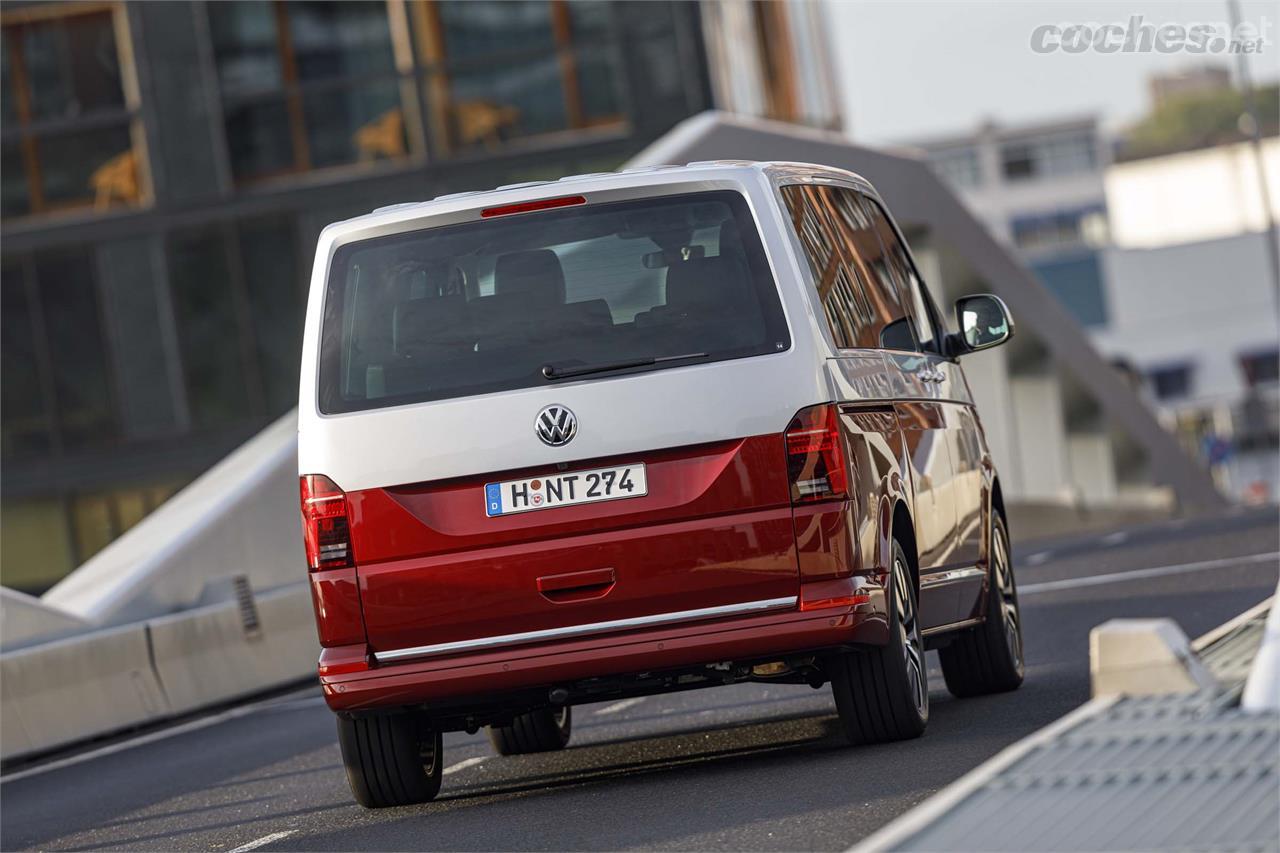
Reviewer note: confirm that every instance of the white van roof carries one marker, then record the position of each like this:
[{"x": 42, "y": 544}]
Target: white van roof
[{"x": 776, "y": 171}]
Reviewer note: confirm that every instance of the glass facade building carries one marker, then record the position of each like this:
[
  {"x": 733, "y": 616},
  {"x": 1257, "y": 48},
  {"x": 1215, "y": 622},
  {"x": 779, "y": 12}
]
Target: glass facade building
[{"x": 168, "y": 166}]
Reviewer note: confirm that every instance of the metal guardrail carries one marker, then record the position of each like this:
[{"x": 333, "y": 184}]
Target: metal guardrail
[{"x": 1190, "y": 771}]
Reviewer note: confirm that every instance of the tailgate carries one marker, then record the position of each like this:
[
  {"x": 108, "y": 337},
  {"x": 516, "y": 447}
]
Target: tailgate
[{"x": 713, "y": 531}]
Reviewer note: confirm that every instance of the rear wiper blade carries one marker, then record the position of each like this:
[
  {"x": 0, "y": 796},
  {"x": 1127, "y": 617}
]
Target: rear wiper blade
[{"x": 551, "y": 372}]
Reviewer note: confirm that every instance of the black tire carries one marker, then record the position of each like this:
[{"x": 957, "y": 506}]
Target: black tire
[
  {"x": 989, "y": 658},
  {"x": 543, "y": 730},
  {"x": 882, "y": 694},
  {"x": 391, "y": 759}
]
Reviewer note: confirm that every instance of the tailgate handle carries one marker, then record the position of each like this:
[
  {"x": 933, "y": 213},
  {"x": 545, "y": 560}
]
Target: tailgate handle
[{"x": 574, "y": 586}]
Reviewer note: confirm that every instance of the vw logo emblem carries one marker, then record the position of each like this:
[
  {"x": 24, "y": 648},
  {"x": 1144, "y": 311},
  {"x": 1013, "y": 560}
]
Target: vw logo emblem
[{"x": 555, "y": 425}]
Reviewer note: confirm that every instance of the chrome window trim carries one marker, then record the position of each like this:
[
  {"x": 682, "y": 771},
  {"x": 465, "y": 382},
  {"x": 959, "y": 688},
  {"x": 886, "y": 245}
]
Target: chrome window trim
[{"x": 570, "y": 631}]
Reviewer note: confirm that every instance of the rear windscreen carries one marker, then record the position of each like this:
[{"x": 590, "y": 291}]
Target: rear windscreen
[{"x": 575, "y": 292}]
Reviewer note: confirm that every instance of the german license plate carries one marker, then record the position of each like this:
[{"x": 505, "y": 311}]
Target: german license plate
[{"x": 568, "y": 489}]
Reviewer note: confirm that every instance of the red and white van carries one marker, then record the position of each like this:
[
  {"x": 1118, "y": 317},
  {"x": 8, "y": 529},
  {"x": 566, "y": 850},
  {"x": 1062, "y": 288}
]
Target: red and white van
[{"x": 622, "y": 434}]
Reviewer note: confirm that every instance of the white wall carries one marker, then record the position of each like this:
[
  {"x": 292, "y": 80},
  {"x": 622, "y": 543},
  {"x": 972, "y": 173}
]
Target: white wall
[
  {"x": 1092, "y": 468},
  {"x": 1203, "y": 303},
  {"x": 1042, "y": 439},
  {"x": 996, "y": 205},
  {"x": 1191, "y": 197}
]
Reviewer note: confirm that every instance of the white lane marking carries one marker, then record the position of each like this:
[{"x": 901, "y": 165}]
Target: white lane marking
[
  {"x": 619, "y": 706},
  {"x": 1139, "y": 574},
  {"x": 152, "y": 737},
  {"x": 1117, "y": 538},
  {"x": 462, "y": 765},
  {"x": 264, "y": 840},
  {"x": 1037, "y": 558}
]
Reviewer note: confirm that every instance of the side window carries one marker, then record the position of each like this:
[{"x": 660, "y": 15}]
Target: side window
[
  {"x": 904, "y": 271},
  {"x": 859, "y": 295}
]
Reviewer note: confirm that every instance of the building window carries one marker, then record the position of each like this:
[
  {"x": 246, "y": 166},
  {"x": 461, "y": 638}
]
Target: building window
[
  {"x": 238, "y": 305},
  {"x": 1019, "y": 161},
  {"x": 1084, "y": 226},
  {"x": 957, "y": 166},
  {"x": 1171, "y": 382},
  {"x": 57, "y": 391},
  {"x": 1076, "y": 281},
  {"x": 495, "y": 71},
  {"x": 306, "y": 85},
  {"x": 45, "y": 537},
  {"x": 1261, "y": 368},
  {"x": 70, "y": 136},
  {"x": 1050, "y": 156}
]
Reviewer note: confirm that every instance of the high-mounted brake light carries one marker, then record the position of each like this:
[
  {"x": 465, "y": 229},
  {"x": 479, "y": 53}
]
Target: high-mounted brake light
[
  {"x": 815, "y": 455},
  {"x": 326, "y": 527},
  {"x": 530, "y": 206}
]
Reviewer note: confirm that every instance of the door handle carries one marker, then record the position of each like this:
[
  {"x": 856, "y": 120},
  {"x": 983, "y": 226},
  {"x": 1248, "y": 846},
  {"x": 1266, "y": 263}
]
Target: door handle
[{"x": 577, "y": 586}]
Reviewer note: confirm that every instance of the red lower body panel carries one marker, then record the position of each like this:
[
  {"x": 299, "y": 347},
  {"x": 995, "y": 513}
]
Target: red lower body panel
[{"x": 548, "y": 664}]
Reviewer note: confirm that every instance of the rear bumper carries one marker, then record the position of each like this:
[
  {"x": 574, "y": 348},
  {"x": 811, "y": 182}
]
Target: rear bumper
[{"x": 475, "y": 674}]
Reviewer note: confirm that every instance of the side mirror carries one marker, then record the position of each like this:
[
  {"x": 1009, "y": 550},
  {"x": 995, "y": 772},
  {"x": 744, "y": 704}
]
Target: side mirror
[{"x": 984, "y": 322}]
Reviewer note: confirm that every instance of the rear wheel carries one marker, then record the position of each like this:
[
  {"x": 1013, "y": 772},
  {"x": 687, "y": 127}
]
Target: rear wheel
[
  {"x": 542, "y": 730},
  {"x": 882, "y": 694},
  {"x": 391, "y": 759},
  {"x": 988, "y": 658}
]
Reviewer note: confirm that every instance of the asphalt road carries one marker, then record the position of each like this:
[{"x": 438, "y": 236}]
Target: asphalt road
[{"x": 750, "y": 767}]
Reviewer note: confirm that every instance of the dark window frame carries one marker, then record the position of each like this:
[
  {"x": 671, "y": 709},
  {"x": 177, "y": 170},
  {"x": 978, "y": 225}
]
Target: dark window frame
[
  {"x": 434, "y": 69},
  {"x": 250, "y": 329},
  {"x": 422, "y": 72},
  {"x": 46, "y": 364},
  {"x": 29, "y": 131},
  {"x": 1249, "y": 362},
  {"x": 1182, "y": 376},
  {"x": 292, "y": 93}
]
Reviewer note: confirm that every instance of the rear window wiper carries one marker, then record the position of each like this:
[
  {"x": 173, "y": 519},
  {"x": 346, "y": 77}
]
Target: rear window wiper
[{"x": 553, "y": 373}]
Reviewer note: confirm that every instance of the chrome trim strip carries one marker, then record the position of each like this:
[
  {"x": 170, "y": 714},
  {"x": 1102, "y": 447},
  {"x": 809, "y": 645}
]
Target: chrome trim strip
[
  {"x": 579, "y": 630},
  {"x": 952, "y": 576},
  {"x": 951, "y": 626}
]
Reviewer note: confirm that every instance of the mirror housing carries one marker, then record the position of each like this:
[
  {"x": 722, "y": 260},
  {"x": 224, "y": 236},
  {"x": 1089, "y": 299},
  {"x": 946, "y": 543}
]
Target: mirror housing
[{"x": 984, "y": 322}]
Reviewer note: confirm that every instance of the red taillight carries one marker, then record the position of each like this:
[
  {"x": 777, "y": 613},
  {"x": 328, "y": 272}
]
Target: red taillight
[
  {"x": 325, "y": 525},
  {"x": 815, "y": 455},
  {"x": 530, "y": 206}
]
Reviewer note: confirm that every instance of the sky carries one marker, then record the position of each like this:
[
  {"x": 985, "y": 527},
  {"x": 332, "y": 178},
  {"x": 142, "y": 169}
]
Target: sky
[{"x": 912, "y": 69}]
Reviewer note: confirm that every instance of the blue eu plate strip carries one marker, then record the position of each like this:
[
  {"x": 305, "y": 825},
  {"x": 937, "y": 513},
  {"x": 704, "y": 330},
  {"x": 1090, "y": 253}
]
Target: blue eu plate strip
[{"x": 493, "y": 499}]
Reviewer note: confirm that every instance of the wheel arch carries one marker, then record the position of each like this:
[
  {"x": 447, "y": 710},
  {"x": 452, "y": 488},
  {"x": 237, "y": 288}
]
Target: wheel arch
[
  {"x": 905, "y": 532},
  {"x": 997, "y": 501}
]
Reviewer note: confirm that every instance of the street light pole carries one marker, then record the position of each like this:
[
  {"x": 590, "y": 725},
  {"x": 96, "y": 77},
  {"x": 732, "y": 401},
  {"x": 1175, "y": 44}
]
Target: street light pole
[{"x": 1255, "y": 133}]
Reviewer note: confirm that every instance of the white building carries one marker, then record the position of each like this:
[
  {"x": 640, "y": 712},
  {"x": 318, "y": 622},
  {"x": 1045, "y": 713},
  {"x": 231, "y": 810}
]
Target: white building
[
  {"x": 1040, "y": 189},
  {"x": 1192, "y": 303},
  {"x": 1164, "y": 260}
]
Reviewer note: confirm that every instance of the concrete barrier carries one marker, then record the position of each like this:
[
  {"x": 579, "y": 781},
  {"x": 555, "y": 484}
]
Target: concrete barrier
[
  {"x": 211, "y": 655},
  {"x": 1144, "y": 657},
  {"x": 26, "y": 620},
  {"x": 78, "y": 688},
  {"x": 71, "y": 690}
]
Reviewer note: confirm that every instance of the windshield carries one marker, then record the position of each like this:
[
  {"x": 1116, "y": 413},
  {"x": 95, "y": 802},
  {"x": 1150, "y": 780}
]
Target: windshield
[{"x": 537, "y": 298}]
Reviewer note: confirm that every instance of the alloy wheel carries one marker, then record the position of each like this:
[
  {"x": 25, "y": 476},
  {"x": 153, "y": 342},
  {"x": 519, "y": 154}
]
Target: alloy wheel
[
  {"x": 909, "y": 626},
  {"x": 1010, "y": 618}
]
